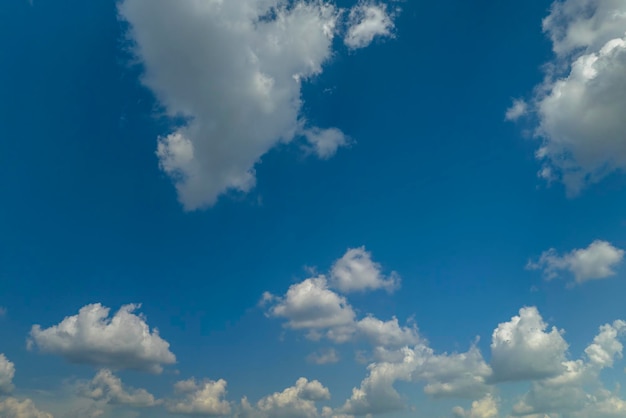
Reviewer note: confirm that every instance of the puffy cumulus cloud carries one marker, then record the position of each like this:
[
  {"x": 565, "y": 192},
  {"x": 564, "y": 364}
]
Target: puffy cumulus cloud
[
  {"x": 105, "y": 386},
  {"x": 356, "y": 271},
  {"x": 234, "y": 71},
  {"x": 315, "y": 306},
  {"x": 7, "y": 372},
  {"x": 297, "y": 401},
  {"x": 523, "y": 349},
  {"x": 310, "y": 304},
  {"x": 387, "y": 333},
  {"x": 566, "y": 393},
  {"x": 200, "y": 398},
  {"x": 606, "y": 346},
  {"x": 581, "y": 103},
  {"x": 446, "y": 375},
  {"x": 123, "y": 341},
  {"x": 459, "y": 375},
  {"x": 15, "y": 408},
  {"x": 376, "y": 394},
  {"x": 486, "y": 407},
  {"x": 597, "y": 261},
  {"x": 326, "y": 356},
  {"x": 367, "y": 21}
]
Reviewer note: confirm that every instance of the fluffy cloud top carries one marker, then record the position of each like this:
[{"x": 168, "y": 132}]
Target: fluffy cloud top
[
  {"x": 367, "y": 21},
  {"x": 108, "y": 387},
  {"x": 201, "y": 398},
  {"x": 486, "y": 407},
  {"x": 234, "y": 70},
  {"x": 581, "y": 105},
  {"x": 297, "y": 401},
  {"x": 14, "y": 408},
  {"x": 124, "y": 341},
  {"x": 597, "y": 261},
  {"x": 7, "y": 372},
  {"x": 311, "y": 304},
  {"x": 522, "y": 349},
  {"x": 356, "y": 271},
  {"x": 566, "y": 393}
]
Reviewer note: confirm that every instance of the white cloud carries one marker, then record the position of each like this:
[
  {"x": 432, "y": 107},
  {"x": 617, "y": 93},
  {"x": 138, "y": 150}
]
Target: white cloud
[
  {"x": 368, "y": 20},
  {"x": 311, "y": 304},
  {"x": 7, "y": 372},
  {"x": 522, "y": 349},
  {"x": 486, "y": 407},
  {"x": 581, "y": 104},
  {"x": 234, "y": 70},
  {"x": 124, "y": 341},
  {"x": 3, "y": 311},
  {"x": 297, "y": 401},
  {"x": 376, "y": 394},
  {"x": 597, "y": 261},
  {"x": 356, "y": 271},
  {"x": 606, "y": 347},
  {"x": 14, "y": 408},
  {"x": 456, "y": 375},
  {"x": 327, "y": 356},
  {"x": 566, "y": 393},
  {"x": 325, "y": 142},
  {"x": 387, "y": 333},
  {"x": 105, "y": 386},
  {"x": 446, "y": 375},
  {"x": 517, "y": 110},
  {"x": 201, "y": 398}
]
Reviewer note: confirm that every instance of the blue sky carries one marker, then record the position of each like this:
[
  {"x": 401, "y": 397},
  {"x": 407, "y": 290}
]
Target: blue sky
[{"x": 303, "y": 209}]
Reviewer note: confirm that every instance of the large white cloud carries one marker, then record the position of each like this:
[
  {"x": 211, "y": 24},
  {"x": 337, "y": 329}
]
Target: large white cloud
[
  {"x": 7, "y": 372},
  {"x": 107, "y": 387},
  {"x": 581, "y": 105},
  {"x": 234, "y": 69},
  {"x": 567, "y": 392},
  {"x": 15, "y": 408},
  {"x": 355, "y": 271},
  {"x": 123, "y": 341},
  {"x": 204, "y": 398},
  {"x": 597, "y": 261},
  {"x": 523, "y": 348}
]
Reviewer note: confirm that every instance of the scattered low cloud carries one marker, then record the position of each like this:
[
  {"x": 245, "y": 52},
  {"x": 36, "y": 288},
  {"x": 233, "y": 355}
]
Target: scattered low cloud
[
  {"x": 25, "y": 408},
  {"x": 486, "y": 407},
  {"x": 204, "y": 398},
  {"x": 298, "y": 401},
  {"x": 107, "y": 387},
  {"x": 518, "y": 109},
  {"x": 123, "y": 341},
  {"x": 355, "y": 271},
  {"x": 327, "y": 356},
  {"x": 7, "y": 372},
  {"x": 580, "y": 106},
  {"x": 368, "y": 20},
  {"x": 597, "y": 261}
]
